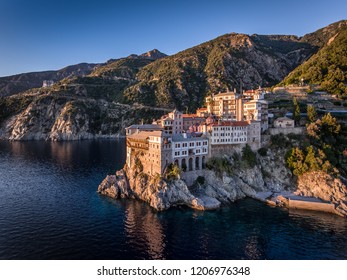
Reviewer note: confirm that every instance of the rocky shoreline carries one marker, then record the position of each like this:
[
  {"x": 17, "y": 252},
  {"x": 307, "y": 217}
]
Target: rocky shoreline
[{"x": 222, "y": 189}]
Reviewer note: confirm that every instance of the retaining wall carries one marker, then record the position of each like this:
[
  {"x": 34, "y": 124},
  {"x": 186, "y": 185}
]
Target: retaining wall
[
  {"x": 285, "y": 130},
  {"x": 311, "y": 205}
]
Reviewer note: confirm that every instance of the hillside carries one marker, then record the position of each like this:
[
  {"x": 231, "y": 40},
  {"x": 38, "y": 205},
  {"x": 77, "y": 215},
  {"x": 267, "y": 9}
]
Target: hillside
[
  {"x": 126, "y": 90},
  {"x": 18, "y": 83},
  {"x": 184, "y": 79},
  {"x": 77, "y": 107},
  {"x": 328, "y": 67}
]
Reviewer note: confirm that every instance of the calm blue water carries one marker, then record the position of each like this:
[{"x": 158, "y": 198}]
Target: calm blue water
[{"x": 49, "y": 209}]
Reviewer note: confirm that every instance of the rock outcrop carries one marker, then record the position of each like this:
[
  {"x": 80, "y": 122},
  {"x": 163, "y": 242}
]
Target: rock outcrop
[
  {"x": 55, "y": 117},
  {"x": 326, "y": 187},
  {"x": 217, "y": 189},
  {"x": 268, "y": 178},
  {"x": 158, "y": 193}
]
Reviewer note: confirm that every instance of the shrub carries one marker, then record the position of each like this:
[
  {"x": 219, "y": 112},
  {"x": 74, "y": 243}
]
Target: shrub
[
  {"x": 138, "y": 165},
  {"x": 249, "y": 156},
  {"x": 236, "y": 156},
  {"x": 172, "y": 172},
  {"x": 219, "y": 165},
  {"x": 311, "y": 159},
  {"x": 279, "y": 140},
  {"x": 293, "y": 136},
  {"x": 262, "y": 151},
  {"x": 201, "y": 180}
]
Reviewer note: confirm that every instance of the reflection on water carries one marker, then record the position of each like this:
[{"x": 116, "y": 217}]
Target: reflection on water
[
  {"x": 144, "y": 228},
  {"x": 50, "y": 210},
  {"x": 324, "y": 221}
]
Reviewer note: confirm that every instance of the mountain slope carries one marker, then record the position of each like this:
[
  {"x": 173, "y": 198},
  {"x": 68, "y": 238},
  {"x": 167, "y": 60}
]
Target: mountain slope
[
  {"x": 18, "y": 83},
  {"x": 107, "y": 99},
  {"x": 328, "y": 67},
  {"x": 184, "y": 79}
]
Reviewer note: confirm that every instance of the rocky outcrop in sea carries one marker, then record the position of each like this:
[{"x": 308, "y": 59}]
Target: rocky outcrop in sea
[
  {"x": 216, "y": 190},
  {"x": 269, "y": 176}
]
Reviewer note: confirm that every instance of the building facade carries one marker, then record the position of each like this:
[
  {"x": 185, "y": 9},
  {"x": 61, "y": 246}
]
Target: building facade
[
  {"x": 284, "y": 122},
  {"x": 228, "y": 105},
  {"x": 229, "y": 122},
  {"x": 190, "y": 152}
]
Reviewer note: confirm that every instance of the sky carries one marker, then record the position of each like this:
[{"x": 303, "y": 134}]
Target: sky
[{"x": 39, "y": 35}]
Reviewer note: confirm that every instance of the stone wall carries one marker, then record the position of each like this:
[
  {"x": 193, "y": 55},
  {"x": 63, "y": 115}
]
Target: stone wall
[
  {"x": 286, "y": 130},
  {"x": 220, "y": 150},
  {"x": 311, "y": 205},
  {"x": 190, "y": 177}
]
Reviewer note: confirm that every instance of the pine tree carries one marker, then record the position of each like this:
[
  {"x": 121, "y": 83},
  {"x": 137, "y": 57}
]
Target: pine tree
[
  {"x": 296, "y": 111},
  {"x": 311, "y": 114}
]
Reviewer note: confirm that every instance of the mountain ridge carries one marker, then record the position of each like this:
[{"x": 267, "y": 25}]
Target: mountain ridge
[{"x": 128, "y": 90}]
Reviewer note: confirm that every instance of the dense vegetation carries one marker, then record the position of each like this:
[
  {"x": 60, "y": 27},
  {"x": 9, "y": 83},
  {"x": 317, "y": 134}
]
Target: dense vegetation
[
  {"x": 185, "y": 79},
  {"x": 12, "y": 105},
  {"x": 327, "y": 68},
  {"x": 220, "y": 165},
  {"x": 182, "y": 80},
  {"x": 18, "y": 83},
  {"x": 324, "y": 148}
]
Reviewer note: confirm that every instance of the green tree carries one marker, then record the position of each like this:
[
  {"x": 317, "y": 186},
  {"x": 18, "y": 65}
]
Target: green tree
[
  {"x": 330, "y": 126},
  {"x": 296, "y": 111},
  {"x": 311, "y": 114},
  {"x": 295, "y": 161},
  {"x": 249, "y": 156},
  {"x": 311, "y": 160},
  {"x": 172, "y": 172},
  {"x": 324, "y": 130}
]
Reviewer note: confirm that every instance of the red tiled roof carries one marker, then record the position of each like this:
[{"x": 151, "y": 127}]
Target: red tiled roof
[
  {"x": 189, "y": 116},
  {"x": 230, "y": 123}
]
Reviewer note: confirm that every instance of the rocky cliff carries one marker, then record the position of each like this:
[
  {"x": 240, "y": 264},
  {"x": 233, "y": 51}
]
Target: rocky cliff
[
  {"x": 326, "y": 187},
  {"x": 58, "y": 117},
  {"x": 214, "y": 191},
  {"x": 153, "y": 79}
]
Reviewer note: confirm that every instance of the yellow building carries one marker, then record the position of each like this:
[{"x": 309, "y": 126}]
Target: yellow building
[{"x": 228, "y": 105}]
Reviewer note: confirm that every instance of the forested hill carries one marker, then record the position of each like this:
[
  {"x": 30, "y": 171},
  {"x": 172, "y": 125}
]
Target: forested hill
[
  {"x": 328, "y": 67},
  {"x": 104, "y": 98}
]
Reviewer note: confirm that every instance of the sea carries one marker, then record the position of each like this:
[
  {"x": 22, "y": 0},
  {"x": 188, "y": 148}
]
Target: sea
[{"x": 50, "y": 209}]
